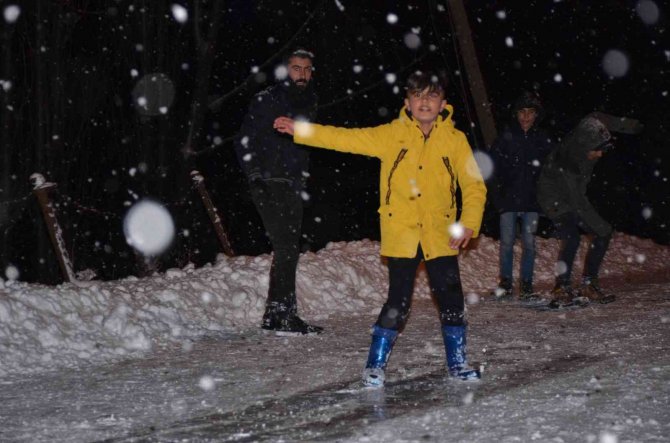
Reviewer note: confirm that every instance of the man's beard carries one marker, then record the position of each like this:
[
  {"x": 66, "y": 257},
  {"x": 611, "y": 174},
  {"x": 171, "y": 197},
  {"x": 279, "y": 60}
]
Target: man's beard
[{"x": 301, "y": 93}]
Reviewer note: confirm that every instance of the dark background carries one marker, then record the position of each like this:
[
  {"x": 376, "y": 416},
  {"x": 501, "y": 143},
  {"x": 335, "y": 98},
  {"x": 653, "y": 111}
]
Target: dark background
[{"x": 72, "y": 72}]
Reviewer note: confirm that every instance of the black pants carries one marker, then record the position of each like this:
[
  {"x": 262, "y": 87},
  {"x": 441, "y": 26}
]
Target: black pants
[
  {"x": 281, "y": 209},
  {"x": 445, "y": 283},
  {"x": 568, "y": 229}
]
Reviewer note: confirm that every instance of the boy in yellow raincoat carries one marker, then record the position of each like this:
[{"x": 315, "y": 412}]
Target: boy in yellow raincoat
[{"x": 424, "y": 158}]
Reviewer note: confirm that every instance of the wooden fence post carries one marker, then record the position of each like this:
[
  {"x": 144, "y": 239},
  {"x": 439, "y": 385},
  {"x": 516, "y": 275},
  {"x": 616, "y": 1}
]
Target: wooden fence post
[
  {"x": 41, "y": 190},
  {"x": 216, "y": 220}
]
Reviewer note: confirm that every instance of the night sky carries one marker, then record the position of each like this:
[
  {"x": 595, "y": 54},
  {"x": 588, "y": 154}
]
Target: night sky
[{"x": 119, "y": 100}]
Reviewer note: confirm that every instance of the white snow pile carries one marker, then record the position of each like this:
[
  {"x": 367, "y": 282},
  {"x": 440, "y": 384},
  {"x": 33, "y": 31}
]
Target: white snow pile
[{"x": 43, "y": 328}]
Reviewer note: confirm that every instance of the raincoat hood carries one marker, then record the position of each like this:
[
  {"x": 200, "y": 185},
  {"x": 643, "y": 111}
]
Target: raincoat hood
[{"x": 444, "y": 117}]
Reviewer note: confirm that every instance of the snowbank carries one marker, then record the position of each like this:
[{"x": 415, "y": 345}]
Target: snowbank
[{"x": 43, "y": 328}]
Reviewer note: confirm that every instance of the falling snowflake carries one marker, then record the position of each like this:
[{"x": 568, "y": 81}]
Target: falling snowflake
[
  {"x": 392, "y": 19},
  {"x": 560, "y": 268},
  {"x": 302, "y": 129},
  {"x": 647, "y": 11},
  {"x": 148, "y": 227},
  {"x": 484, "y": 163},
  {"x": 206, "y": 383},
  {"x": 12, "y": 272},
  {"x": 412, "y": 40},
  {"x": 12, "y": 13},
  {"x": 179, "y": 13},
  {"x": 608, "y": 437},
  {"x": 281, "y": 72},
  {"x": 456, "y": 230},
  {"x": 615, "y": 63}
]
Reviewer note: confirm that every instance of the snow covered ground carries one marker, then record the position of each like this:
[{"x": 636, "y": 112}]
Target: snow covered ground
[{"x": 179, "y": 356}]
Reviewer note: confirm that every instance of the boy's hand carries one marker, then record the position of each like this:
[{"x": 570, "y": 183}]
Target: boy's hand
[
  {"x": 463, "y": 240},
  {"x": 284, "y": 125}
]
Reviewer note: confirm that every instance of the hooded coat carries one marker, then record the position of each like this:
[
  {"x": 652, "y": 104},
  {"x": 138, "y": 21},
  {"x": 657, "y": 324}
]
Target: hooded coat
[
  {"x": 265, "y": 154},
  {"x": 567, "y": 172},
  {"x": 418, "y": 179}
]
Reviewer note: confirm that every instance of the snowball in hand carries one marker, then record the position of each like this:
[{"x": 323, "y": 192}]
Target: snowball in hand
[{"x": 148, "y": 227}]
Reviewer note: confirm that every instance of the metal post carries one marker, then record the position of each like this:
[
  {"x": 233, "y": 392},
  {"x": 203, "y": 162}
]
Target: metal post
[
  {"x": 41, "y": 190},
  {"x": 216, "y": 220}
]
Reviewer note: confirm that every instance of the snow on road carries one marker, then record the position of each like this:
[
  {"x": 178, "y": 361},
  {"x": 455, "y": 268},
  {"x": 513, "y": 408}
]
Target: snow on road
[{"x": 179, "y": 356}]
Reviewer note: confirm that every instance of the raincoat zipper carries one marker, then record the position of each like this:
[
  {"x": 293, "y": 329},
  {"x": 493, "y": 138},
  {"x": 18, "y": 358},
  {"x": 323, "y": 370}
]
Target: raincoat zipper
[
  {"x": 398, "y": 159},
  {"x": 452, "y": 185}
]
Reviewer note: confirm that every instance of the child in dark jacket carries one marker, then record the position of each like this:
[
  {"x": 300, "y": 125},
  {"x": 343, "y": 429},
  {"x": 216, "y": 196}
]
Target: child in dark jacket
[
  {"x": 562, "y": 196},
  {"x": 518, "y": 154}
]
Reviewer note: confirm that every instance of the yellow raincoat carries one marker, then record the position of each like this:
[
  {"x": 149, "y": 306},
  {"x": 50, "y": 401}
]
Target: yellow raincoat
[{"x": 418, "y": 179}]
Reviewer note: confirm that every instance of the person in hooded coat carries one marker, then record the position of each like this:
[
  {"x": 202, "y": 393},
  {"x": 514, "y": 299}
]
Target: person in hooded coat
[
  {"x": 424, "y": 158},
  {"x": 517, "y": 155},
  {"x": 276, "y": 169},
  {"x": 561, "y": 193}
]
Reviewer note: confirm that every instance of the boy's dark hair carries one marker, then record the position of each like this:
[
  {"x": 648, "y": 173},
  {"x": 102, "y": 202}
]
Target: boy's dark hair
[
  {"x": 421, "y": 80},
  {"x": 529, "y": 99},
  {"x": 300, "y": 53}
]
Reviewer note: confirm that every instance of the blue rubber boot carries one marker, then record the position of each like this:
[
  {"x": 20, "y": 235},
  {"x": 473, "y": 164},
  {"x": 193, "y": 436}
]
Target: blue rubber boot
[
  {"x": 454, "y": 346},
  {"x": 382, "y": 342}
]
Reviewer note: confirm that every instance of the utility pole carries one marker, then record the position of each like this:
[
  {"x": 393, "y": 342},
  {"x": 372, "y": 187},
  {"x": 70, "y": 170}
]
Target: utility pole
[{"x": 474, "y": 75}]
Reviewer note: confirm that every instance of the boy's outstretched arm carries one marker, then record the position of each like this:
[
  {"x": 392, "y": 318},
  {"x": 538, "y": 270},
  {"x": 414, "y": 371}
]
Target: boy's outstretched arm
[{"x": 366, "y": 141}]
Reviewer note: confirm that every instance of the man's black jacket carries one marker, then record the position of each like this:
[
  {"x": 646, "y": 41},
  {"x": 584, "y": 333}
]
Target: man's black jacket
[{"x": 265, "y": 154}]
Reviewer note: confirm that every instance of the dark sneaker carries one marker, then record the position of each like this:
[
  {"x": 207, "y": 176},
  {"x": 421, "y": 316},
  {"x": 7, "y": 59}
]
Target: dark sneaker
[
  {"x": 526, "y": 292},
  {"x": 504, "y": 290},
  {"x": 289, "y": 326},
  {"x": 591, "y": 290},
  {"x": 561, "y": 295}
]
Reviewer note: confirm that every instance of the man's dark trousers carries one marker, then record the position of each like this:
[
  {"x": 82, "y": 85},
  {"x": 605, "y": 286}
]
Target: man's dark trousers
[{"x": 281, "y": 208}]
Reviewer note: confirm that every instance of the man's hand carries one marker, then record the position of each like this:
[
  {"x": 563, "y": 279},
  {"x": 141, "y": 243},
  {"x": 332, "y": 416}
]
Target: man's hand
[
  {"x": 463, "y": 240},
  {"x": 284, "y": 125}
]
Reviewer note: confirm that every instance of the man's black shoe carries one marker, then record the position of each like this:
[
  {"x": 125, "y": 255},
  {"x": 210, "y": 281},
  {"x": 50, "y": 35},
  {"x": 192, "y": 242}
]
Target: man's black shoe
[{"x": 289, "y": 326}]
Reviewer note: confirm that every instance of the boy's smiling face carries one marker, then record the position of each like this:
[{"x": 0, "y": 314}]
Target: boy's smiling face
[{"x": 425, "y": 105}]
